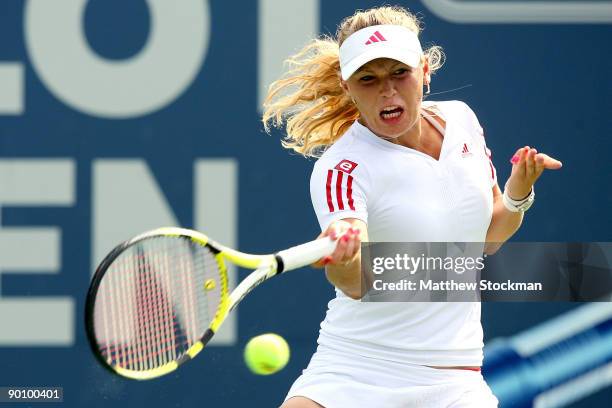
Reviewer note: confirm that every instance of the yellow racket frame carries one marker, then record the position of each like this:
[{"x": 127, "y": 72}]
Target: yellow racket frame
[{"x": 265, "y": 263}]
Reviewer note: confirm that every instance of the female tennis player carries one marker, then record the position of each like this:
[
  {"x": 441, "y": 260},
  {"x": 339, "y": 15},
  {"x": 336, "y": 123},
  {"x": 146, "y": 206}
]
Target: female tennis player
[{"x": 393, "y": 167}]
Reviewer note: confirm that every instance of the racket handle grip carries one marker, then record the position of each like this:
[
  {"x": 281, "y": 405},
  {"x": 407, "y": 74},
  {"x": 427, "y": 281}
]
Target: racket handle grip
[{"x": 305, "y": 254}]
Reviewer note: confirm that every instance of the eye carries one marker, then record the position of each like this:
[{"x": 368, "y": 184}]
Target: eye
[
  {"x": 366, "y": 78},
  {"x": 400, "y": 71}
]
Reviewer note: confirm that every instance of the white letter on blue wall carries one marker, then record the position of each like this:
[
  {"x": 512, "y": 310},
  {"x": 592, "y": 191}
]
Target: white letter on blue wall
[
  {"x": 127, "y": 200},
  {"x": 11, "y": 88},
  {"x": 27, "y": 320},
  {"x": 144, "y": 83},
  {"x": 280, "y": 36}
]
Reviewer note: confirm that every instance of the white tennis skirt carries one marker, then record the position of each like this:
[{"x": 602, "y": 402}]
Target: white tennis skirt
[{"x": 335, "y": 379}]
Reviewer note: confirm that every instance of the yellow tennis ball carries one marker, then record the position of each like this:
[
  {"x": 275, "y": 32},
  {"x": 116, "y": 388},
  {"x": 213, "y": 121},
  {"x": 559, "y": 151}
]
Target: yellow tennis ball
[{"x": 266, "y": 354}]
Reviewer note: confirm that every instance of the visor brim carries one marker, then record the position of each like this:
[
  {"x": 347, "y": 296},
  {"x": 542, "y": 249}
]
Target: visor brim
[{"x": 408, "y": 57}]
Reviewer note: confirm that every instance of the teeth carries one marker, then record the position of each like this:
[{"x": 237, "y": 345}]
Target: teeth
[
  {"x": 391, "y": 115},
  {"x": 390, "y": 108}
]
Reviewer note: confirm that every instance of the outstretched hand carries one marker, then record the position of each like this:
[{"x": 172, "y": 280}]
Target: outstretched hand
[{"x": 527, "y": 166}]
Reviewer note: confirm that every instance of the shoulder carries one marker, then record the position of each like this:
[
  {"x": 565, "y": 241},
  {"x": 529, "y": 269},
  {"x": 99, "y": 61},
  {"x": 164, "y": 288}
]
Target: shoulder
[
  {"x": 453, "y": 108},
  {"x": 349, "y": 162},
  {"x": 341, "y": 167},
  {"x": 349, "y": 155},
  {"x": 458, "y": 112}
]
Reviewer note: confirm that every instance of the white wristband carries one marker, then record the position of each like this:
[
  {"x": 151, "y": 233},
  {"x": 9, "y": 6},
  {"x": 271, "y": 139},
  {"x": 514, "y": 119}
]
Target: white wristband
[{"x": 518, "y": 205}]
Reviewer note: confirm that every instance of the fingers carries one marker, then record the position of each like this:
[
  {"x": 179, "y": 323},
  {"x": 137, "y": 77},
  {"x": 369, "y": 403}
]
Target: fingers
[
  {"x": 519, "y": 161},
  {"x": 335, "y": 230},
  {"x": 517, "y": 156},
  {"x": 348, "y": 245},
  {"x": 548, "y": 162},
  {"x": 527, "y": 166},
  {"x": 539, "y": 163},
  {"x": 530, "y": 165},
  {"x": 527, "y": 163},
  {"x": 338, "y": 229}
]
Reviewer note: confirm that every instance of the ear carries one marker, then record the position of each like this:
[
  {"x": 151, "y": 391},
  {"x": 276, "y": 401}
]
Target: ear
[
  {"x": 426, "y": 71},
  {"x": 344, "y": 86},
  {"x": 347, "y": 91}
]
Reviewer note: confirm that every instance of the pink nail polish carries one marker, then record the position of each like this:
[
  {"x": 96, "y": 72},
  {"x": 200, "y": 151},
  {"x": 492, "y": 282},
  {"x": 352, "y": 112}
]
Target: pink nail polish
[
  {"x": 515, "y": 159},
  {"x": 345, "y": 238},
  {"x": 327, "y": 260}
]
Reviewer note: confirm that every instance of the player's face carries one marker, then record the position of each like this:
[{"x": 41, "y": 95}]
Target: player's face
[{"x": 388, "y": 95}]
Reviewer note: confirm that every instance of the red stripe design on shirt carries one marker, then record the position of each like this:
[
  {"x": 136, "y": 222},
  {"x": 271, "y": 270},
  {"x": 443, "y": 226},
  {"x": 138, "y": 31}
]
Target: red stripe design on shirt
[
  {"x": 339, "y": 190},
  {"x": 488, "y": 153},
  {"x": 330, "y": 174},
  {"x": 349, "y": 192}
]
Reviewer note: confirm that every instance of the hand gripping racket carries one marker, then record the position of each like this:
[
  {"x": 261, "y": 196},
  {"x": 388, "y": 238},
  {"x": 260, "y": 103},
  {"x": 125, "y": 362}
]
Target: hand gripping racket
[{"x": 156, "y": 300}]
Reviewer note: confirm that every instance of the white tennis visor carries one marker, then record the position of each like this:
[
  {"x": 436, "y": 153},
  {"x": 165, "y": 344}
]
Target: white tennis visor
[{"x": 379, "y": 41}]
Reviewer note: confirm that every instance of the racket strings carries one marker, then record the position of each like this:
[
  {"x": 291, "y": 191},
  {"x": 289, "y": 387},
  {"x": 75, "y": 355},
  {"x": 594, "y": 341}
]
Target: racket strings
[{"x": 152, "y": 305}]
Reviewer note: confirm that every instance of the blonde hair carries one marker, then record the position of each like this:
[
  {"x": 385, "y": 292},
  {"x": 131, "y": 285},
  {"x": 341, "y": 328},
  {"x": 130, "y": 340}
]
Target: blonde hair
[{"x": 310, "y": 99}]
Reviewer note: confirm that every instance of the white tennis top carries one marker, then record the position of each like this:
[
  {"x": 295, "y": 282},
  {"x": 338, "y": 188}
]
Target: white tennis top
[{"x": 407, "y": 196}]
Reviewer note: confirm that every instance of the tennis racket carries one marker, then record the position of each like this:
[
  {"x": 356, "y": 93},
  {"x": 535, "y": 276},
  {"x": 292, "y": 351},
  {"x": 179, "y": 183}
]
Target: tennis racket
[{"x": 156, "y": 300}]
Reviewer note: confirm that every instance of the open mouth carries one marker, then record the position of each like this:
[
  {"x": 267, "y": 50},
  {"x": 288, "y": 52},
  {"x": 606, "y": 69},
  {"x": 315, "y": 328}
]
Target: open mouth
[{"x": 391, "y": 112}]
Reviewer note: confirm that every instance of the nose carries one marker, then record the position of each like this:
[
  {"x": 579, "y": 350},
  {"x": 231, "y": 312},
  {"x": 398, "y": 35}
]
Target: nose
[{"x": 387, "y": 87}]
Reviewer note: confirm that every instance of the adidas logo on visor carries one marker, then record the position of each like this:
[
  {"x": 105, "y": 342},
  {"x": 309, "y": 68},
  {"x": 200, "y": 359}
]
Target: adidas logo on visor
[{"x": 376, "y": 37}]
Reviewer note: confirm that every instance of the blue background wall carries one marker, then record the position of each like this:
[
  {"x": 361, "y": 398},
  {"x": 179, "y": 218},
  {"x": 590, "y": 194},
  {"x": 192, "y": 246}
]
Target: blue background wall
[{"x": 546, "y": 85}]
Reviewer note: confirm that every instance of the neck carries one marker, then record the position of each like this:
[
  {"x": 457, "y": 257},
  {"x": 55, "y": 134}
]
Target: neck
[
  {"x": 422, "y": 136},
  {"x": 413, "y": 138}
]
